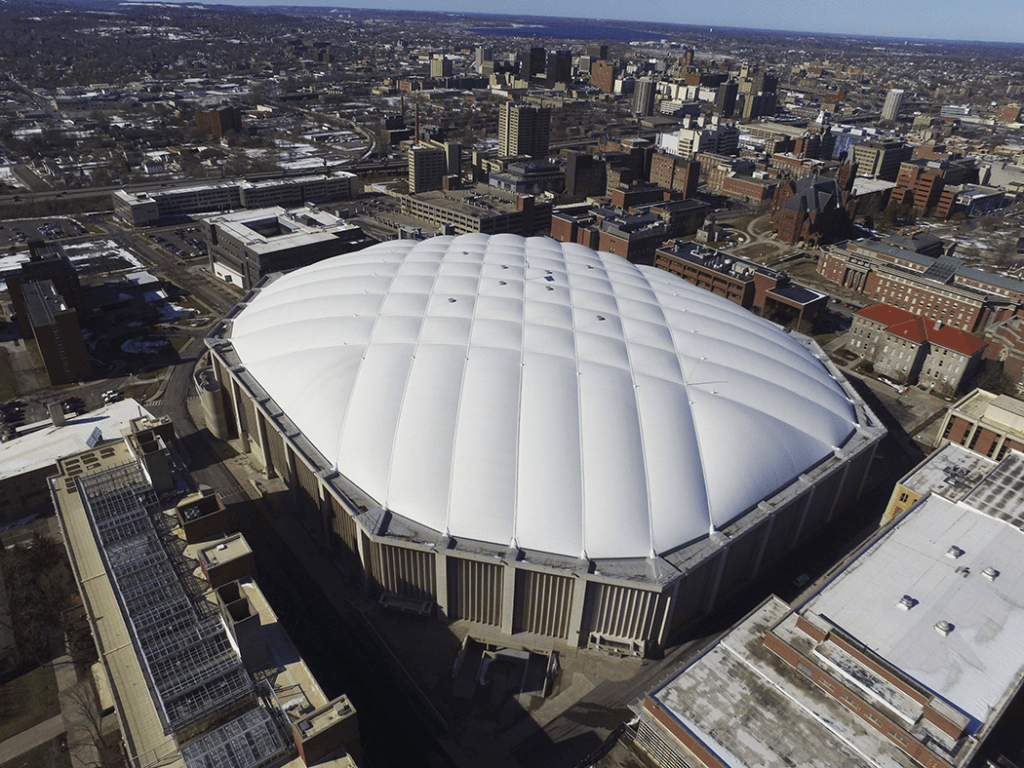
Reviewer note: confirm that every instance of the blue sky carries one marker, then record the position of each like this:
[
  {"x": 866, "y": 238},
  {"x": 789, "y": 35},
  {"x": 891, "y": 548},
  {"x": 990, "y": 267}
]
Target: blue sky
[{"x": 994, "y": 20}]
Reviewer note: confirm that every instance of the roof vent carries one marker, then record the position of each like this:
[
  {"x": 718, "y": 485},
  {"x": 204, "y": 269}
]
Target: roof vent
[
  {"x": 943, "y": 627},
  {"x": 906, "y": 603},
  {"x": 954, "y": 552},
  {"x": 600, "y": 317},
  {"x": 990, "y": 573},
  {"x": 502, "y": 282},
  {"x": 451, "y": 301}
]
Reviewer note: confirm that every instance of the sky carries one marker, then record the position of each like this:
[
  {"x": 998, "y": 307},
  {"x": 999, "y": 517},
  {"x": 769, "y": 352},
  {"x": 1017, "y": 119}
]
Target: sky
[{"x": 988, "y": 20}]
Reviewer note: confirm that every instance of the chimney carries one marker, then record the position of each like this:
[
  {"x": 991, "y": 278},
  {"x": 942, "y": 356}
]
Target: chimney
[{"x": 938, "y": 324}]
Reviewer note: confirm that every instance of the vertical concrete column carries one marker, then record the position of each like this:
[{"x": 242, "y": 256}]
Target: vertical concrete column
[
  {"x": 839, "y": 492},
  {"x": 666, "y": 617},
  {"x": 365, "y": 558},
  {"x": 325, "y": 509},
  {"x": 709, "y": 603},
  {"x": 240, "y": 418},
  {"x": 261, "y": 437},
  {"x": 508, "y": 595},
  {"x": 803, "y": 517},
  {"x": 867, "y": 470},
  {"x": 441, "y": 579},
  {"x": 766, "y": 534},
  {"x": 579, "y": 598}
]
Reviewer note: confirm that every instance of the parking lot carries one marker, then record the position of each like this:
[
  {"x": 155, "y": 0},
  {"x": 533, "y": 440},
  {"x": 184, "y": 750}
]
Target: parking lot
[
  {"x": 19, "y": 231},
  {"x": 185, "y": 242}
]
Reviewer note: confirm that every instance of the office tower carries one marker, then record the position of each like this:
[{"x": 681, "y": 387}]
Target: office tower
[
  {"x": 440, "y": 66},
  {"x": 523, "y": 130},
  {"x": 482, "y": 55},
  {"x": 559, "y": 67},
  {"x": 427, "y": 167},
  {"x": 893, "y": 102},
  {"x": 597, "y": 51},
  {"x": 602, "y": 75},
  {"x": 643, "y": 97},
  {"x": 725, "y": 100},
  {"x": 534, "y": 60}
]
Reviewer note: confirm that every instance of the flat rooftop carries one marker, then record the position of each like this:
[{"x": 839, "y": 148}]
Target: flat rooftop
[
  {"x": 40, "y": 444},
  {"x": 751, "y": 709},
  {"x": 938, "y": 556},
  {"x": 242, "y": 740},
  {"x": 951, "y": 472},
  {"x": 265, "y": 230}
]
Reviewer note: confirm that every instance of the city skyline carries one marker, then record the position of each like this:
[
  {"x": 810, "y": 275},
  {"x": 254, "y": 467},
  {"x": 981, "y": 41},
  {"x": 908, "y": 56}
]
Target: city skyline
[{"x": 998, "y": 21}]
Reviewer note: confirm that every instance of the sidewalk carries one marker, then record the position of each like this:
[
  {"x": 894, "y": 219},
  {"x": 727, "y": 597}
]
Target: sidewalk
[{"x": 33, "y": 737}]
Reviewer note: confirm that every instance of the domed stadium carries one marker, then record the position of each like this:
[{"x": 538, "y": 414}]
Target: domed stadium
[{"x": 536, "y": 438}]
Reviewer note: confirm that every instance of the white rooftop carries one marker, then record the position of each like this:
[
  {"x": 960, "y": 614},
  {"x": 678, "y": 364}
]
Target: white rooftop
[
  {"x": 973, "y": 667},
  {"x": 41, "y": 444},
  {"x": 537, "y": 394}
]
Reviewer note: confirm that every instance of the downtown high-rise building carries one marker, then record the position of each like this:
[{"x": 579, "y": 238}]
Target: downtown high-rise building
[
  {"x": 643, "y": 97},
  {"x": 524, "y": 130},
  {"x": 893, "y": 102}
]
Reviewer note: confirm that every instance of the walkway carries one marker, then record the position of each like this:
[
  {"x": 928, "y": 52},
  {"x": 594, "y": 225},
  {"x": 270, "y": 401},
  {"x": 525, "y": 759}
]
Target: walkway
[{"x": 78, "y": 718}]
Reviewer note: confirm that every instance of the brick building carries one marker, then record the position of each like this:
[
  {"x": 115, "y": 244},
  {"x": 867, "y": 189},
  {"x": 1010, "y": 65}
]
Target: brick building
[
  {"x": 985, "y": 423},
  {"x": 812, "y": 210},
  {"x": 765, "y": 292},
  {"x": 47, "y": 261},
  {"x": 927, "y": 186},
  {"x": 633, "y": 236},
  {"x": 1006, "y": 346},
  {"x": 602, "y": 75},
  {"x": 217, "y": 122},
  {"x": 676, "y": 173},
  {"x": 941, "y": 288},
  {"x": 749, "y": 189},
  {"x": 55, "y": 327},
  {"x": 906, "y": 656},
  {"x": 905, "y": 348},
  {"x": 585, "y": 175}
]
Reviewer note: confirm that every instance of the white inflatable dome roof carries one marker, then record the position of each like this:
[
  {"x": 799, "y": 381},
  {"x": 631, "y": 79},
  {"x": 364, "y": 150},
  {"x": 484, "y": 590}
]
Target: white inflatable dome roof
[{"x": 535, "y": 393}]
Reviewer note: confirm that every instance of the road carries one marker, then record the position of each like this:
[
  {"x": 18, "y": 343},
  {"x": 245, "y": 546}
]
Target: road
[{"x": 361, "y": 166}]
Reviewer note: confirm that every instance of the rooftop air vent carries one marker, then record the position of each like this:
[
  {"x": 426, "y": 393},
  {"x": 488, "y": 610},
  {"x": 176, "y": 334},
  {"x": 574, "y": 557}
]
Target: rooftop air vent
[
  {"x": 990, "y": 573},
  {"x": 906, "y": 603},
  {"x": 954, "y": 552},
  {"x": 943, "y": 627}
]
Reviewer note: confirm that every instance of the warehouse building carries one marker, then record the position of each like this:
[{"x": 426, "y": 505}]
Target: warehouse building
[{"x": 541, "y": 441}]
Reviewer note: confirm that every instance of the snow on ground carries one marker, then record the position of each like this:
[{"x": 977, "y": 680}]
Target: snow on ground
[
  {"x": 144, "y": 346},
  {"x": 13, "y": 261},
  {"x": 169, "y": 311},
  {"x": 7, "y": 177},
  {"x": 80, "y": 253}
]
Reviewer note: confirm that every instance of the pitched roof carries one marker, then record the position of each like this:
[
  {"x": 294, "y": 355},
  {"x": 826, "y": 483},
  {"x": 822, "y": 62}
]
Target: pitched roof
[
  {"x": 914, "y": 328},
  {"x": 956, "y": 339},
  {"x": 885, "y": 314}
]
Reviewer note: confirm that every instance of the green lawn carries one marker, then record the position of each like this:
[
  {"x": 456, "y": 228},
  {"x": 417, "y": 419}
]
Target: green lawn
[
  {"x": 44, "y": 756},
  {"x": 27, "y": 701}
]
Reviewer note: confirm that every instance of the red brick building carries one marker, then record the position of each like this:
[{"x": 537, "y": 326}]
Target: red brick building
[
  {"x": 924, "y": 186},
  {"x": 943, "y": 288},
  {"x": 765, "y": 292},
  {"x": 217, "y": 122},
  {"x": 985, "y": 423},
  {"x": 602, "y": 75},
  {"x": 676, "y": 173},
  {"x": 904, "y": 347},
  {"x": 811, "y": 210}
]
